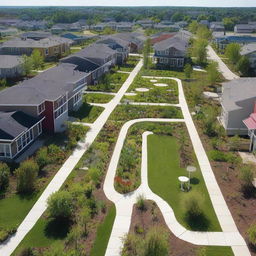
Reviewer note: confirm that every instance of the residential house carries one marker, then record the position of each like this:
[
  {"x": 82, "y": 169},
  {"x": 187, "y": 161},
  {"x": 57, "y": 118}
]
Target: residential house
[
  {"x": 167, "y": 27},
  {"x": 51, "y": 95},
  {"x": 17, "y": 131},
  {"x": 237, "y": 101},
  {"x": 77, "y": 39},
  {"x": 136, "y": 40},
  {"x": 250, "y": 123},
  {"x": 217, "y": 26},
  {"x": 10, "y": 66},
  {"x": 124, "y": 26},
  {"x": 59, "y": 28},
  {"x": 249, "y": 50},
  {"x": 147, "y": 23},
  {"x": 8, "y": 32},
  {"x": 9, "y": 22},
  {"x": 51, "y": 47},
  {"x": 32, "y": 25},
  {"x": 156, "y": 38},
  {"x": 244, "y": 28},
  {"x": 96, "y": 59},
  {"x": 35, "y": 35},
  {"x": 171, "y": 53},
  {"x": 221, "y": 40},
  {"x": 119, "y": 45}
]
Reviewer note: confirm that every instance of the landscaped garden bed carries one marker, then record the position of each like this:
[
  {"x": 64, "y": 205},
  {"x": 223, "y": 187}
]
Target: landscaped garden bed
[
  {"x": 156, "y": 93},
  {"x": 142, "y": 222},
  {"x": 129, "y": 65},
  {"x": 98, "y": 98},
  {"x": 109, "y": 82}
]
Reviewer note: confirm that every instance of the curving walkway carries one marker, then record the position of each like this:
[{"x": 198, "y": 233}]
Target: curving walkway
[
  {"x": 40, "y": 206},
  {"x": 124, "y": 203}
]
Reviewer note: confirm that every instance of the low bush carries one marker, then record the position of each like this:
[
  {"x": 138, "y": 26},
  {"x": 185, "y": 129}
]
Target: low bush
[
  {"x": 5, "y": 233},
  {"x": 42, "y": 157},
  {"x": 141, "y": 203},
  {"x": 26, "y": 176},
  {"x": 75, "y": 133},
  {"x": 246, "y": 177},
  {"x": 252, "y": 234},
  {"x": 218, "y": 156},
  {"x": 56, "y": 154},
  {"x": 4, "y": 176},
  {"x": 192, "y": 204}
]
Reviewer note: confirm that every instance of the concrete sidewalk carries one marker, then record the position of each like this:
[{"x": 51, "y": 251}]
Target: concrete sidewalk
[{"x": 226, "y": 72}]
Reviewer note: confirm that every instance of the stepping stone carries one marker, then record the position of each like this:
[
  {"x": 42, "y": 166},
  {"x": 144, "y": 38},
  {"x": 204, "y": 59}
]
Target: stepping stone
[
  {"x": 84, "y": 168},
  {"x": 130, "y": 94},
  {"x": 142, "y": 89},
  {"x": 153, "y": 81},
  {"x": 161, "y": 85}
]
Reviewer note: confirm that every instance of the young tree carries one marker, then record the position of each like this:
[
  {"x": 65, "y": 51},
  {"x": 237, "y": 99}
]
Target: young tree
[
  {"x": 26, "y": 176},
  {"x": 60, "y": 205},
  {"x": 146, "y": 52},
  {"x": 188, "y": 70},
  {"x": 193, "y": 26},
  {"x": 37, "y": 59},
  {"x": 27, "y": 65},
  {"x": 233, "y": 52},
  {"x": 4, "y": 176},
  {"x": 199, "y": 51},
  {"x": 213, "y": 73},
  {"x": 3, "y": 82},
  {"x": 203, "y": 32},
  {"x": 243, "y": 66}
]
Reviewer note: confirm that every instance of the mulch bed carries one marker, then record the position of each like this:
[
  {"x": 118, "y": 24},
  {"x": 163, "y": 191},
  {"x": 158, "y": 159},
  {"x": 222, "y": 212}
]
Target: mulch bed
[{"x": 145, "y": 220}]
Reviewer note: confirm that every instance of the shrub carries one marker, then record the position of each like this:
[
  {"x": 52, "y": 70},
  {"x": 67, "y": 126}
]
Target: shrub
[
  {"x": 56, "y": 154},
  {"x": 4, "y": 176},
  {"x": 218, "y": 156},
  {"x": 246, "y": 176},
  {"x": 252, "y": 234},
  {"x": 60, "y": 205},
  {"x": 85, "y": 216},
  {"x": 201, "y": 252},
  {"x": 95, "y": 175},
  {"x": 234, "y": 143},
  {"x": 88, "y": 190},
  {"x": 132, "y": 245},
  {"x": 141, "y": 204},
  {"x": 42, "y": 157},
  {"x": 157, "y": 243},
  {"x": 26, "y": 176},
  {"x": 5, "y": 233},
  {"x": 192, "y": 204},
  {"x": 75, "y": 133}
]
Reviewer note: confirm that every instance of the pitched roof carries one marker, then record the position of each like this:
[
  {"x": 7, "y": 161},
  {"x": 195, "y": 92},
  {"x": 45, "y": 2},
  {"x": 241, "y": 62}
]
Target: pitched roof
[
  {"x": 12, "y": 124},
  {"x": 175, "y": 42},
  {"x": 30, "y": 43},
  {"x": 111, "y": 41},
  {"x": 236, "y": 91},
  {"x": 48, "y": 85},
  {"x": 9, "y": 61}
]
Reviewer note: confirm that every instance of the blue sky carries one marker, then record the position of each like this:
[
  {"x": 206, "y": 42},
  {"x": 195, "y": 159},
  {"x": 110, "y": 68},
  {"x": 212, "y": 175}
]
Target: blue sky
[{"x": 212, "y": 3}]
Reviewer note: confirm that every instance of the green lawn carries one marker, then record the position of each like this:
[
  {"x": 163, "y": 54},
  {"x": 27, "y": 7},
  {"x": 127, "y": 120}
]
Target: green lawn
[
  {"x": 98, "y": 98},
  {"x": 87, "y": 113},
  {"x": 41, "y": 235},
  {"x": 14, "y": 209},
  {"x": 164, "y": 170},
  {"x": 219, "y": 251},
  {"x": 103, "y": 234}
]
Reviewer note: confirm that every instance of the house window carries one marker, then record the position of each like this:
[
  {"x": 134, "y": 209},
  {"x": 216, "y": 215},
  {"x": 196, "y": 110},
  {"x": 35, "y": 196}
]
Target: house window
[
  {"x": 39, "y": 128},
  {"x": 61, "y": 101},
  {"x": 55, "y": 49},
  {"x": 166, "y": 52},
  {"x": 41, "y": 108},
  {"x": 46, "y": 51},
  {"x": 5, "y": 150},
  {"x": 60, "y": 111},
  {"x": 25, "y": 139},
  {"x": 77, "y": 98},
  {"x": 161, "y": 60}
]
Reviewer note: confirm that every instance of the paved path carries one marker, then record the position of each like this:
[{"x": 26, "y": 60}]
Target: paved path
[
  {"x": 226, "y": 72},
  {"x": 124, "y": 203},
  {"x": 40, "y": 206}
]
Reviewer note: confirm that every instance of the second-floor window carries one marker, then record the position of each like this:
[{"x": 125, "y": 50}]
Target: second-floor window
[
  {"x": 46, "y": 51},
  {"x": 60, "y": 111},
  {"x": 62, "y": 100},
  {"x": 41, "y": 108}
]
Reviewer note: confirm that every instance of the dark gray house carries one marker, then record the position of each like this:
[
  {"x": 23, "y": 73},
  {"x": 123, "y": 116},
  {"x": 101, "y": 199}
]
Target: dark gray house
[
  {"x": 171, "y": 53},
  {"x": 17, "y": 131},
  {"x": 119, "y": 45}
]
